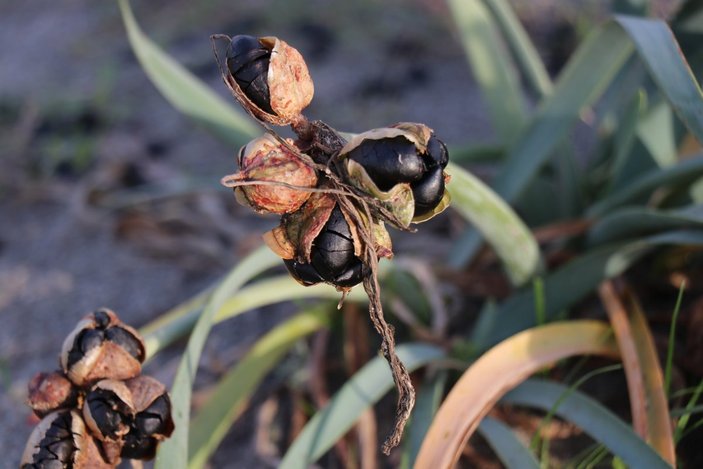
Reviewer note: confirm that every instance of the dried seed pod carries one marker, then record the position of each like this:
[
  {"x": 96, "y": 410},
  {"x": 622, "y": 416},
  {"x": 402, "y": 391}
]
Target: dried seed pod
[
  {"x": 269, "y": 78},
  {"x": 102, "y": 347},
  {"x": 152, "y": 420},
  {"x": 48, "y": 392},
  {"x": 108, "y": 410},
  {"x": 61, "y": 441},
  {"x": 332, "y": 257},
  {"x": 266, "y": 159},
  {"x": 379, "y": 160}
]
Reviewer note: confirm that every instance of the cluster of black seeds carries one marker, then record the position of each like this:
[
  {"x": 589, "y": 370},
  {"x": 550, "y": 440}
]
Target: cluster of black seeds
[
  {"x": 98, "y": 408},
  {"x": 248, "y": 62}
]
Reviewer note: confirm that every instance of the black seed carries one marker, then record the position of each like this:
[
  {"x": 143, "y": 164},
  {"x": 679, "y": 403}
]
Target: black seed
[
  {"x": 304, "y": 273},
  {"x": 153, "y": 420},
  {"x": 428, "y": 191},
  {"x": 138, "y": 446},
  {"x": 437, "y": 151},
  {"x": 354, "y": 274},
  {"x": 126, "y": 340},
  {"x": 105, "y": 408},
  {"x": 56, "y": 448},
  {"x": 248, "y": 62},
  {"x": 389, "y": 161},
  {"x": 333, "y": 249},
  {"x": 86, "y": 340},
  {"x": 102, "y": 319}
]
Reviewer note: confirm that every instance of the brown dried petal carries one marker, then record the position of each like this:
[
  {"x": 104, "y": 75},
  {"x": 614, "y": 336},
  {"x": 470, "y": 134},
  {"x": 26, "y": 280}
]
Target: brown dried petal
[
  {"x": 279, "y": 243},
  {"x": 420, "y": 133},
  {"x": 289, "y": 81},
  {"x": 50, "y": 391},
  {"x": 303, "y": 226}
]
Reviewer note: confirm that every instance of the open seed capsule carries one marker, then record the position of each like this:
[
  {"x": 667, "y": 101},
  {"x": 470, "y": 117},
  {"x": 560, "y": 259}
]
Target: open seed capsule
[
  {"x": 269, "y": 78},
  {"x": 267, "y": 159},
  {"x": 332, "y": 257},
  {"x": 48, "y": 392},
  {"x": 405, "y": 153},
  {"x": 102, "y": 347},
  {"x": 152, "y": 420},
  {"x": 61, "y": 441}
]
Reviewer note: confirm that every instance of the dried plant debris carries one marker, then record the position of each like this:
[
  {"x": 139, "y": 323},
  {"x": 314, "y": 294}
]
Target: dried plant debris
[
  {"x": 335, "y": 197},
  {"x": 99, "y": 408}
]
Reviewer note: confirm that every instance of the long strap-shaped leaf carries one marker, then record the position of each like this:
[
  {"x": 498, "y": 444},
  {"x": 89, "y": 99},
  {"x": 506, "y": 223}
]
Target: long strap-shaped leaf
[
  {"x": 497, "y": 222},
  {"x": 231, "y": 395},
  {"x": 506, "y": 445},
  {"x": 584, "y": 79},
  {"x": 601, "y": 424},
  {"x": 499, "y": 370},
  {"x": 365, "y": 388},
  {"x": 183, "y": 90},
  {"x": 173, "y": 453}
]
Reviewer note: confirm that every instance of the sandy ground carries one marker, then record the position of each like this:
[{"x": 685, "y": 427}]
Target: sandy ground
[{"x": 78, "y": 115}]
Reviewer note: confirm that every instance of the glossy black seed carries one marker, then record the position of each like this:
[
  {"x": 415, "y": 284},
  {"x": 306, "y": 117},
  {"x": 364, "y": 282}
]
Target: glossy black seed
[
  {"x": 389, "y": 161},
  {"x": 153, "y": 420},
  {"x": 138, "y": 446},
  {"x": 248, "y": 62},
  {"x": 428, "y": 191},
  {"x": 437, "y": 151},
  {"x": 86, "y": 340},
  {"x": 106, "y": 410},
  {"x": 304, "y": 273},
  {"x": 355, "y": 273},
  {"x": 102, "y": 319},
  {"x": 333, "y": 249},
  {"x": 126, "y": 340}
]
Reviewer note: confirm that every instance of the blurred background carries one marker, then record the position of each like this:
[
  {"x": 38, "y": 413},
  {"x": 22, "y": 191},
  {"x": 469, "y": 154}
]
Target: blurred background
[{"x": 84, "y": 135}]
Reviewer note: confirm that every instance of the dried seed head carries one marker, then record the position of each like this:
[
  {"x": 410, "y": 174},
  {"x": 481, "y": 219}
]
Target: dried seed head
[
  {"x": 266, "y": 159},
  {"x": 108, "y": 410},
  {"x": 380, "y": 160},
  {"x": 152, "y": 420},
  {"x": 60, "y": 441},
  {"x": 269, "y": 78},
  {"x": 102, "y": 347},
  {"x": 48, "y": 392}
]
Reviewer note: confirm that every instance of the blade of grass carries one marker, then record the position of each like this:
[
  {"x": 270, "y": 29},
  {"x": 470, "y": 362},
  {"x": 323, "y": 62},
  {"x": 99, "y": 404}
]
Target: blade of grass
[
  {"x": 625, "y": 139},
  {"x": 511, "y": 239},
  {"x": 173, "y": 453},
  {"x": 683, "y": 421},
  {"x": 429, "y": 397},
  {"x": 365, "y": 388},
  {"x": 645, "y": 382},
  {"x": 672, "y": 340},
  {"x": 491, "y": 66},
  {"x": 521, "y": 45},
  {"x": 178, "y": 322},
  {"x": 498, "y": 370},
  {"x": 571, "y": 283},
  {"x": 592, "y": 417},
  {"x": 231, "y": 395},
  {"x": 185, "y": 91},
  {"x": 507, "y": 446},
  {"x": 680, "y": 174}
]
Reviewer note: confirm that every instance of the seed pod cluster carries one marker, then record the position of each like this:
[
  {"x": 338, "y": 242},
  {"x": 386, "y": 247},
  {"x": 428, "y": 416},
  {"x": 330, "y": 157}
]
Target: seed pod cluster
[
  {"x": 398, "y": 170},
  {"x": 98, "y": 408}
]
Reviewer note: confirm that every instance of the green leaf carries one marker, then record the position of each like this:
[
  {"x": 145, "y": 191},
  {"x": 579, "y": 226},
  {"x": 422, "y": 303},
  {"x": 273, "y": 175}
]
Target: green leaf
[
  {"x": 521, "y": 46},
  {"x": 636, "y": 222},
  {"x": 178, "y": 322},
  {"x": 185, "y": 91},
  {"x": 365, "y": 388},
  {"x": 173, "y": 453},
  {"x": 429, "y": 397},
  {"x": 624, "y": 141},
  {"x": 586, "y": 76},
  {"x": 511, "y": 239},
  {"x": 592, "y": 417},
  {"x": 231, "y": 395},
  {"x": 571, "y": 283},
  {"x": 491, "y": 66},
  {"x": 680, "y": 174},
  {"x": 509, "y": 449}
]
